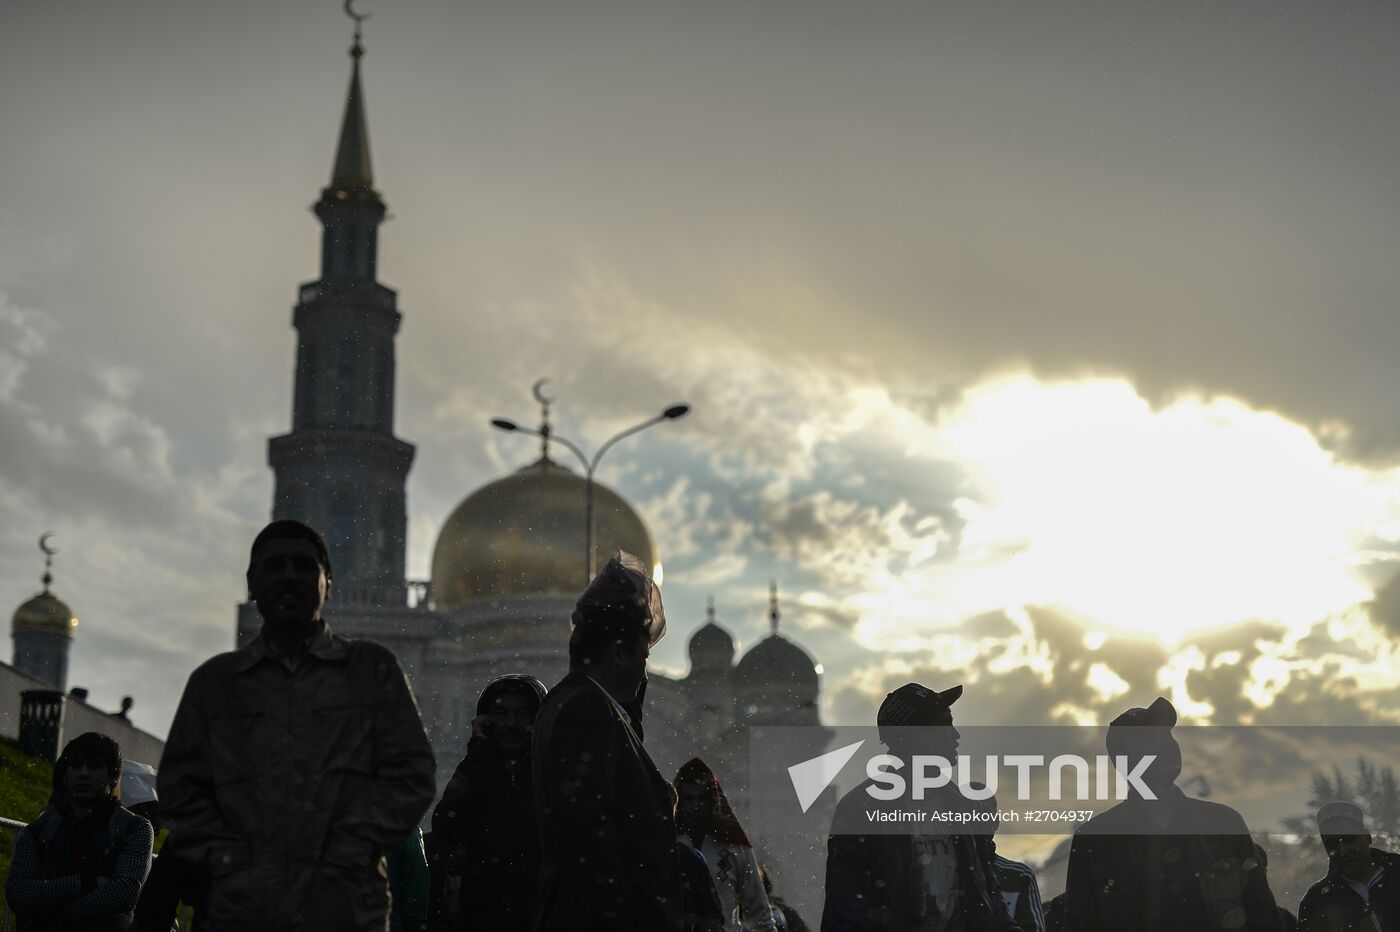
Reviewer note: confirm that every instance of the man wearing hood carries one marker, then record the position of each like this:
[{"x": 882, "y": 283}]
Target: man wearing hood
[
  {"x": 607, "y": 832},
  {"x": 1167, "y": 863},
  {"x": 926, "y": 882},
  {"x": 296, "y": 763},
  {"x": 486, "y": 819},
  {"x": 708, "y": 824},
  {"x": 80, "y": 865}
]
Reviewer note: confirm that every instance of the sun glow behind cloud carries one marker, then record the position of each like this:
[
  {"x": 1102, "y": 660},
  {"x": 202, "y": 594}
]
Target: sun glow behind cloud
[{"x": 1196, "y": 515}]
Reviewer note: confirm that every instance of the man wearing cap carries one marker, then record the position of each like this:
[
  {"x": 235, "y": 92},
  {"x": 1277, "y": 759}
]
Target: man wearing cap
[
  {"x": 1168, "y": 863},
  {"x": 607, "y": 834},
  {"x": 486, "y": 819},
  {"x": 1362, "y": 888},
  {"x": 928, "y": 882},
  {"x": 296, "y": 763}
]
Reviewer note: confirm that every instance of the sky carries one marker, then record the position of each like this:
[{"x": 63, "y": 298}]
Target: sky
[{"x": 1045, "y": 348}]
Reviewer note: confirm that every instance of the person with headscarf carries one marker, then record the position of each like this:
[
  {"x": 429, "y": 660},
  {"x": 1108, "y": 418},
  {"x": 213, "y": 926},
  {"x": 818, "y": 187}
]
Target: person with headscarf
[
  {"x": 485, "y": 822},
  {"x": 607, "y": 832},
  {"x": 1163, "y": 862},
  {"x": 707, "y": 822},
  {"x": 80, "y": 865},
  {"x": 930, "y": 881},
  {"x": 1362, "y": 888}
]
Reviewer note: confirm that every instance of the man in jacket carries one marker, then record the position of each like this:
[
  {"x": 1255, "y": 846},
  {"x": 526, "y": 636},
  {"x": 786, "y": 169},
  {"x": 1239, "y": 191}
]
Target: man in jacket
[
  {"x": 296, "y": 763},
  {"x": 934, "y": 882},
  {"x": 1164, "y": 864},
  {"x": 1362, "y": 888},
  {"x": 486, "y": 818},
  {"x": 80, "y": 865},
  {"x": 607, "y": 834}
]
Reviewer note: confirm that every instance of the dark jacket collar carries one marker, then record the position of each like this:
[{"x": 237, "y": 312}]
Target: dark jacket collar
[
  {"x": 1385, "y": 860},
  {"x": 324, "y": 646}
]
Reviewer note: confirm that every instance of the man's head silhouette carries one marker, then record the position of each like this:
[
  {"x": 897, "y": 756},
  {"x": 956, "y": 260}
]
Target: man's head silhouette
[
  {"x": 1138, "y": 733},
  {"x": 289, "y": 576},
  {"x": 1342, "y": 826},
  {"x": 915, "y": 719}
]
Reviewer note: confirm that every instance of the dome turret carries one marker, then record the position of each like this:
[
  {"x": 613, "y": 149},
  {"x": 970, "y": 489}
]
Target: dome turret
[
  {"x": 42, "y": 629},
  {"x": 711, "y": 647},
  {"x": 46, "y": 613},
  {"x": 777, "y": 682}
]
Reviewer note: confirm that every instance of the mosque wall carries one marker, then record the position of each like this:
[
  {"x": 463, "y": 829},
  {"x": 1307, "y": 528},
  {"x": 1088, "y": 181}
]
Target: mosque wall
[{"x": 78, "y": 717}]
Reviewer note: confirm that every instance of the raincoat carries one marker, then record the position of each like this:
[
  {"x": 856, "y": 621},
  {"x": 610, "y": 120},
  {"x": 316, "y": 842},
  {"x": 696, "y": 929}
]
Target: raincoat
[{"x": 289, "y": 787}]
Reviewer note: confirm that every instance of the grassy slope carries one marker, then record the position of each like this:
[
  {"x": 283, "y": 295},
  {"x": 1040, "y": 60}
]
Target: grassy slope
[{"x": 24, "y": 788}]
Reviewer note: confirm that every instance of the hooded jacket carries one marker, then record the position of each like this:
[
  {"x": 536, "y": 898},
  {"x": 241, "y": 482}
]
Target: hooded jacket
[{"x": 486, "y": 822}]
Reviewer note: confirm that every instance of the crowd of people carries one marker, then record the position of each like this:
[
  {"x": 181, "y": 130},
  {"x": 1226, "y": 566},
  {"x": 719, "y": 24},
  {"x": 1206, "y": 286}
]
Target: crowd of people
[{"x": 297, "y": 773}]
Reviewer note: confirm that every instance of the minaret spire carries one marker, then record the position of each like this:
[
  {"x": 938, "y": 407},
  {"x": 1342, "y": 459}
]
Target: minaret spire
[
  {"x": 774, "y": 615},
  {"x": 352, "y": 164}
]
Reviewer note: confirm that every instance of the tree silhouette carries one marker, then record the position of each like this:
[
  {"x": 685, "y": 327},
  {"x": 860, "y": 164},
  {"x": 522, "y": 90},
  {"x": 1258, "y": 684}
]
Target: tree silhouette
[
  {"x": 1295, "y": 864},
  {"x": 1374, "y": 789}
]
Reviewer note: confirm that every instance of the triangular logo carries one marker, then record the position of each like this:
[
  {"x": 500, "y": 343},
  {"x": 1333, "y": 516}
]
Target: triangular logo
[{"x": 811, "y": 777}]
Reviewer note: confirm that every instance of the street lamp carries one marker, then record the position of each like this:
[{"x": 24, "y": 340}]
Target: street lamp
[{"x": 590, "y": 464}]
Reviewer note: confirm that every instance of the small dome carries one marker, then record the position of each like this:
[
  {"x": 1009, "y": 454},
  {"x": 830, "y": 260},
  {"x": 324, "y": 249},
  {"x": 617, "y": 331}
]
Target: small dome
[
  {"x": 711, "y": 646},
  {"x": 524, "y": 534},
  {"x": 776, "y": 661},
  {"x": 46, "y": 613}
]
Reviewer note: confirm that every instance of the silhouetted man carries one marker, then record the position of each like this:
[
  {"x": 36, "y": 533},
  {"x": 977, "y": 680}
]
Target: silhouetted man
[
  {"x": 607, "y": 836},
  {"x": 1362, "y": 888},
  {"x": 929, "y": 881},
  {"x": 80, "y": 865},
  {"x": 296, "y": 763},
  {"x": 1167, "y": 864},
  {"x": 486, "y": 819}
]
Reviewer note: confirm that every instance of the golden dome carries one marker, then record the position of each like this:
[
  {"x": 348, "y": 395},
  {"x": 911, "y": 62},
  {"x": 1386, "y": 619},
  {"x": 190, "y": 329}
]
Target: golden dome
[
  {"x": 46, "y": 613},
  {"x": 524, "y": 535}
]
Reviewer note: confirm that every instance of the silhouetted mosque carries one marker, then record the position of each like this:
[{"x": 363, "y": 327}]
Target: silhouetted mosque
[{"x": 507, "y": 566}]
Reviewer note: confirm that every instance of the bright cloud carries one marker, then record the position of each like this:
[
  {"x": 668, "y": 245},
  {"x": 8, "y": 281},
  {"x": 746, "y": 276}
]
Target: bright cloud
[{"x": 1198, "y": 515}]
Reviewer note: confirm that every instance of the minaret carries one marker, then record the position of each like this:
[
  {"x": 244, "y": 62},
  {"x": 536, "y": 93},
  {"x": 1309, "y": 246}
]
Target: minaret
[
  {"x": 42, "y": 629},
  {"x": 341, "y": 469}
]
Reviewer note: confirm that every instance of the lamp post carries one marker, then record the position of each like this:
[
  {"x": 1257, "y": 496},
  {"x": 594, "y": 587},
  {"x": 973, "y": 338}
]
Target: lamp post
[{"x": 590, "y": 464}]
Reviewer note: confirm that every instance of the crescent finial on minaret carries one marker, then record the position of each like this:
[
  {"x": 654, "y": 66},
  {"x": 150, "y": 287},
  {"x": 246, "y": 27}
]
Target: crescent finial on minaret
[
  {"x": 356, "y": 50},
  {"x": 545, "y": 401},
  {"x": 48, "y": 551}
]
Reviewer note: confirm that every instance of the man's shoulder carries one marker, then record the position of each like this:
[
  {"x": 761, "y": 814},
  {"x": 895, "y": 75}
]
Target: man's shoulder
[
  {"x": 574, "y": 696},
  {"x": 1013, "y": 868},
  {"x": 1319, "y": 891},
  {"x": 1388, "y": 861},
  {"x": 365, "y": 649},
  {"x": 220, "y": 665},
  {"x": 130, "y": 825}
]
